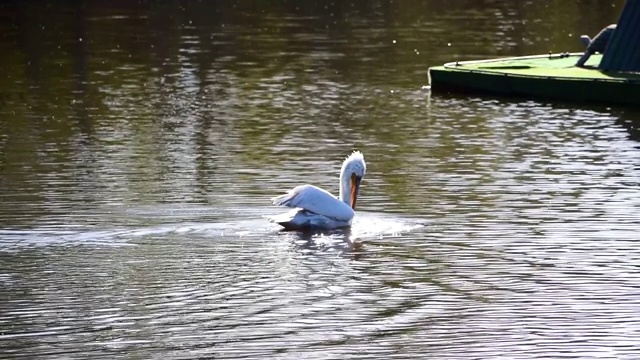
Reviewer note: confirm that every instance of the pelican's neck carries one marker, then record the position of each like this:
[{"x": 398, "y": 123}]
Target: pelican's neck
[{"x": 345, "y": 187}]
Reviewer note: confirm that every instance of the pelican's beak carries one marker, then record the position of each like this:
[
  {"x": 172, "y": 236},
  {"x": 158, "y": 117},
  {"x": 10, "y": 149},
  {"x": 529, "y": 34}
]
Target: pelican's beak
[{"x": 355, "y": 187}]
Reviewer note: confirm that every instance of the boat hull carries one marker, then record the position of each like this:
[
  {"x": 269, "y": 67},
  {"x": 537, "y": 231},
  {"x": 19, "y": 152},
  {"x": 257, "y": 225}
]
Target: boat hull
[{"x": 539, "y": 77}]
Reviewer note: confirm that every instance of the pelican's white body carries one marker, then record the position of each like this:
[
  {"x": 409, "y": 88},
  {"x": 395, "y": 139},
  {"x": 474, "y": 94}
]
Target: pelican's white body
[{"x": 317, "y": 208}]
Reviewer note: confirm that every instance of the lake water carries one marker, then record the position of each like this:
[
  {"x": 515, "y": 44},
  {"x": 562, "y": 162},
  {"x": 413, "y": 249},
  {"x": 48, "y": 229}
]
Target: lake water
[{"x": 141, "y": 143}]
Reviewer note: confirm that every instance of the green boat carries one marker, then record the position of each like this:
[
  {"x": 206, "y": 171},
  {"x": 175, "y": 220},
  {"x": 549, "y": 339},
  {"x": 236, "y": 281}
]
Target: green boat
[{"x": 607, "y": 72}]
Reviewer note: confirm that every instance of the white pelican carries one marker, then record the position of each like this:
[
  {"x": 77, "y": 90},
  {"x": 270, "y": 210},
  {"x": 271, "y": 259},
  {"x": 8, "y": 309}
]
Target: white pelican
[{"x": 315, "y": 208}]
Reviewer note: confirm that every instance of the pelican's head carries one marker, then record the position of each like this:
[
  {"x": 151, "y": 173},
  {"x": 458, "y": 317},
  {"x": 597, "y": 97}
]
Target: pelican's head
[{"x": 351, "y": 174}]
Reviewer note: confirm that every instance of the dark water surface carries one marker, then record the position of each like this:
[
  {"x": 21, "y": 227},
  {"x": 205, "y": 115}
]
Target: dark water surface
[{"x": 140, "y": 144}]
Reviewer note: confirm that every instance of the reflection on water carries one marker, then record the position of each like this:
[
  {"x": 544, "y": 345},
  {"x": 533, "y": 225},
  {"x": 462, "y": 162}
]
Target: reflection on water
[{"x": 141, "y": 143}]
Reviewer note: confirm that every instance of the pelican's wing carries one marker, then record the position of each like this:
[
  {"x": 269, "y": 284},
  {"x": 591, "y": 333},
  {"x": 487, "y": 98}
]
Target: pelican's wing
[{"x": 316, "y": 200}]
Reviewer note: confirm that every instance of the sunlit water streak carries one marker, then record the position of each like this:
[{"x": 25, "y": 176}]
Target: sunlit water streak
[{"x": 250, "y": 222}]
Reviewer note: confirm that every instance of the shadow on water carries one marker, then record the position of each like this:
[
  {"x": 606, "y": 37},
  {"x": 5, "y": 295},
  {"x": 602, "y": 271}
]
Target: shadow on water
[
  {"x": 343, "y": 234},
  {"x": 629, "y": 119}
]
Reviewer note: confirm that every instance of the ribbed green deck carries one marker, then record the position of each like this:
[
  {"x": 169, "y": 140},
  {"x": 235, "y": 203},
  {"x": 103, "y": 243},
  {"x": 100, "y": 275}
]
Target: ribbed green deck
[{"x": 543, "y": 76}]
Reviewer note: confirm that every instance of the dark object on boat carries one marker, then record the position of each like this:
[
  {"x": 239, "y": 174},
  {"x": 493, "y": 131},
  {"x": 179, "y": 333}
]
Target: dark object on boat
[
  {"x": 623, "y": 52},
  {"x": 607, "y": 72},
  {"x": 598, "y": 44}
]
